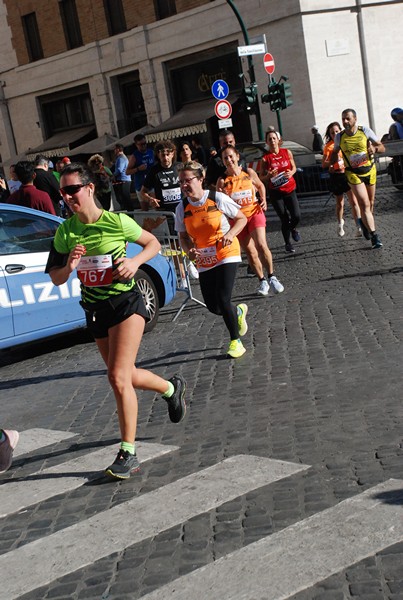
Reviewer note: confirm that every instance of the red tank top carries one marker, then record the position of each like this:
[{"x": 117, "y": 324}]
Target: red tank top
[{"x": 281, "y": 162}]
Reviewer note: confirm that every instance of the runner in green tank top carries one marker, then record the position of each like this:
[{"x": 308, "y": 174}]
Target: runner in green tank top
[{"x": 93, "y": 241}]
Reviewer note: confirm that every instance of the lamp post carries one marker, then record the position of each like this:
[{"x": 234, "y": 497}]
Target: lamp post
[{"x": 251, "y": 67}]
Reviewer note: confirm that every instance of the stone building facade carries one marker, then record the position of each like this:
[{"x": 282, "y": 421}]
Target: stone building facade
[{"x": 71, "y": 70}]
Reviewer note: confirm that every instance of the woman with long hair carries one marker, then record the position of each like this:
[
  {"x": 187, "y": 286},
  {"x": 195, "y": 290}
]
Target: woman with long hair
[
  {"x": 277, "y": 170},
  {"x": 241, "y": 186},
  {"x": 94, "y": 241},
  {"x": 338, "y": 184}
]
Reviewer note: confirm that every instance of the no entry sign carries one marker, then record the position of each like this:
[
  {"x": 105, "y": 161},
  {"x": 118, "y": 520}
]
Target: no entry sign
[{"x": 268, "y": 62}]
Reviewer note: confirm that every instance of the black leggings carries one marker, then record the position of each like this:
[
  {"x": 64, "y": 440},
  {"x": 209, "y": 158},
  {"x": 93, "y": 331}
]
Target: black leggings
[
  {"x": 216, "y": 285},
  {"x": 287, "y": 209}
]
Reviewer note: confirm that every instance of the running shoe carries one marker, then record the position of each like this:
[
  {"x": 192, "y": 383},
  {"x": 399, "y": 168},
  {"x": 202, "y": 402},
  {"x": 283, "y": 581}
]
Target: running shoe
[
  {"x": 358, "y": 232},
  {"x": 236, "y": 349},
  {"x": 242, "y": 311},
  {"x": 275, "y": 285},
  {"x": 193, "y": 272},
  {"x": 295, "y": 235},
  {"x": 289, "y": 248},
  {"x": 250, "y": 272},
  {"x": 7, "y": 448},
  {"x": 123, "y": 466},
  {"x": 176, "y": 403},
  {"x": 263, "y": 288},
  {"x": 340, "y": 228},
  {"x": 375, "y": 241}
]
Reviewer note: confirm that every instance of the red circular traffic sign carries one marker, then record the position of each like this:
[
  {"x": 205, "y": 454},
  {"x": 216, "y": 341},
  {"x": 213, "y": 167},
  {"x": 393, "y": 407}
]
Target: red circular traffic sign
[
  {"x": 268, "y": 62},
  {"x": 223, "y": 109}
]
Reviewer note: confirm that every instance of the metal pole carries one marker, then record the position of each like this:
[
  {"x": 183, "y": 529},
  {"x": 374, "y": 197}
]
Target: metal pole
[
  {"x": 364, "y": 61},
  {"x": 251, "y": 67}
]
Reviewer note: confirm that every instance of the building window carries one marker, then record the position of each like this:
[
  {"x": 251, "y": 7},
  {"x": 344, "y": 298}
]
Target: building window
[
  {"x": 115, "y": 16},
  {"x": 71, "y": 24},
  {"x": 164, "y": 8},
  {"x": 132, "y": 103},
  {"x": 67, "y": 110},
  {"x": 32, "y": 37}
]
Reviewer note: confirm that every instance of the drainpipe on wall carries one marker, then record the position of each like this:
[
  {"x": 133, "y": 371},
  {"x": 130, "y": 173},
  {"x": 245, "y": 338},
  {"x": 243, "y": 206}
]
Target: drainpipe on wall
[
  {"x": 8, "y": 126},
  {"x": 364, "y": 62}
]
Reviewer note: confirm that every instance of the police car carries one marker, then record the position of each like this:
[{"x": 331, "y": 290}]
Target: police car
[{"x": 31, "y": 307}]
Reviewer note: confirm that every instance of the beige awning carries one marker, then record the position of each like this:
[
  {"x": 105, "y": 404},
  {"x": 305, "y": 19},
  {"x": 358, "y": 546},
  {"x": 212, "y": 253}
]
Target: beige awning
[
  {"x": 60, "y": 143},
  {"x": 127, "y": 140},
  {"x": 96, "y": 146},
  {"x": 189, "y": 120}
]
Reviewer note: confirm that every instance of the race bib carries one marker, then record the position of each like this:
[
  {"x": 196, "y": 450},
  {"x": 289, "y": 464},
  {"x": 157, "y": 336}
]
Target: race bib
[
  {"x": 279, "y": 180},
  {"x": 243, "y": 197},
  {"x": 95, "y": 271},
  {"x": 358, "y": 160},
  {"x": 208, "y": 257},
  {"x": 171, "y": 196}
]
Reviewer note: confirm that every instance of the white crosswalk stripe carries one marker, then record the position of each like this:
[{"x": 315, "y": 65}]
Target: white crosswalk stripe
[
  {"x": 67, "y": 476},
  {"x": 33, "y": 439},
  {"x": 285, "y": 563},
  {"x": 116, "y": 529}
]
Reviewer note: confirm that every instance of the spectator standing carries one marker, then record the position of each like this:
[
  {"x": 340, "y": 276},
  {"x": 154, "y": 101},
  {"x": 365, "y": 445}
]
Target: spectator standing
[
  {"x": 46, "y": 182},
  {"x": 199, "y": 151},
  {"x": 185, "y": 153},
  {"x": 121, "y": 180},
  {"x": 28, "y": 195},
  {"x": 13, "y": 183},
  {"x": 396, "y": 129},
  {"x": 103, "y": 180},
  {"x": 216, "y": 167},
  {"x": 317, "y": 142},
  {"x": 358, "y": 145},
  {"x": 140, "y": 164}
]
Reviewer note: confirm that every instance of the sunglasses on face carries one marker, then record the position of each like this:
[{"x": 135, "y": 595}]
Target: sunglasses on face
[{"x": 70, "y": 190}]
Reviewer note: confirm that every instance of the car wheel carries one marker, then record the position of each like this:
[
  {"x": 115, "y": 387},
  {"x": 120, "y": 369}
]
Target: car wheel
[{"x": 148, "y": 290}]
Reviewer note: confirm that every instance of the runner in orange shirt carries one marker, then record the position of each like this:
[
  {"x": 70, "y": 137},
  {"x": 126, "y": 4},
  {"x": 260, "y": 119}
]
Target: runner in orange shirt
[
  {"x": 241, "y": 186},
  {"x": 206, "y": 236}
]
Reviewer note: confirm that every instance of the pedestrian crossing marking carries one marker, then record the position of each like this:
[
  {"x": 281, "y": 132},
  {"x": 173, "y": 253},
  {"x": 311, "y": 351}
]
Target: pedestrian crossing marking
[
  {"x": 67, "y": 476},
  {"x": 295, "y": 559},
  {"x": 33, "y": 439},
  {"x": 135, "y": 520}
]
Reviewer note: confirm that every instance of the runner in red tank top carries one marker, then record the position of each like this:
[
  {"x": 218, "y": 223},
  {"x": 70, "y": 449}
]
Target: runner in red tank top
[{"x": 278, "y": 168}]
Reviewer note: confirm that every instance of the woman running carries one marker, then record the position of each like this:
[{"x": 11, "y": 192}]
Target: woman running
[
  {"x": 241, "y": 186},
  {"x": 338, "y": 181},
  {"x": 206, "y": 236},
  {"x": 93, "y": 241},
  {"x": 278, "y": 168}
]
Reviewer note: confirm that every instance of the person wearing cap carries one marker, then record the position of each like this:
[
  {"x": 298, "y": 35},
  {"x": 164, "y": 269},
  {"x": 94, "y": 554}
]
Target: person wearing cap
[
  {"x": 140, "y": 163},
  {"x": 61, "y": 163},
  {"x": 317, "y": 143},
  {"x": 396, "y": 129}
]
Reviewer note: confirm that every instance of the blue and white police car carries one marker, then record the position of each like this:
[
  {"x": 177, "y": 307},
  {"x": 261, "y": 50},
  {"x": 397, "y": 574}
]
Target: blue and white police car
[{"x": 31, "y": 307}]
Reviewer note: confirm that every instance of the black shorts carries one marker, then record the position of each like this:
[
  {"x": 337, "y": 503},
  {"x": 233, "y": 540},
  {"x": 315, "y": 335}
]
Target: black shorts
[
  {"x": 100, "y": 316},
  {"x": 338, "y": 184}
]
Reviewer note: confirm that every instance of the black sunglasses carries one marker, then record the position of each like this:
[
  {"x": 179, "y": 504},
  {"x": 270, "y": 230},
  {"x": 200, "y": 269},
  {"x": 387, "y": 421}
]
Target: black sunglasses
[{"x": 70, "y": 190}]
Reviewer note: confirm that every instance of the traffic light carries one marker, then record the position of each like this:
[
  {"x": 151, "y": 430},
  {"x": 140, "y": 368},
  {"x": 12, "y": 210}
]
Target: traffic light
[
  {"x": 285, "y": 95},
  {"x": 273, "y": 96},
  {"x": 249, "y": 98}
]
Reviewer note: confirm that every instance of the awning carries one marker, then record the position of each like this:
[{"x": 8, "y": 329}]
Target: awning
[
  {"x": 61, "y": 143},
  {"x": 96, "y": 146},
  {"x": 127, "y": 140},
  {"x": 189, "y": 120}
]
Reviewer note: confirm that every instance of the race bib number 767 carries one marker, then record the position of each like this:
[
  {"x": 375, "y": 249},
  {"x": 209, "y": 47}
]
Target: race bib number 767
[{"x": 95, "y": 271}]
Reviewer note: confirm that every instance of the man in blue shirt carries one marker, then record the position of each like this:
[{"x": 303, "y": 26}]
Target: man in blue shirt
[
  {"x": 140, "y": 164},
  {"x": 122, "y": 181}
]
